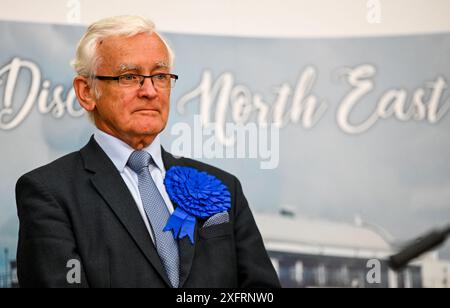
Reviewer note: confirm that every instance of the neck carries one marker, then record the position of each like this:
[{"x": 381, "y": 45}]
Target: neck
[{"x": 137, "y": 142}]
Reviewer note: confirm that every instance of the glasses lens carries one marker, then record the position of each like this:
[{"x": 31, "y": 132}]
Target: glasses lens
[
  {"x": 129, "y": 80},
  {"x": 162, "y": 81}
]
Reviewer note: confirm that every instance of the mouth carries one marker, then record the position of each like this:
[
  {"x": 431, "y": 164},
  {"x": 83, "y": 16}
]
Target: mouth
[{"x": 146, "y": 110}]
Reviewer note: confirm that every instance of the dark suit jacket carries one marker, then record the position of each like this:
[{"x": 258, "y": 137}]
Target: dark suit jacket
[{"x": 79, "y": 207}]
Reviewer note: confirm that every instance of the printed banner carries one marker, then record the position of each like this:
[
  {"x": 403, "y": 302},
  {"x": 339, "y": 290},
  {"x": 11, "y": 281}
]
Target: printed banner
[{"x": 350, "y": 131}]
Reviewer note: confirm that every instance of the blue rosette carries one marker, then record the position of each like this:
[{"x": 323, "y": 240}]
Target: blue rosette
[{"x": 197, "y": 194}]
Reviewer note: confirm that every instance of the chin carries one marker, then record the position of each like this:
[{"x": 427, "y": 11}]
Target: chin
[
  {"x": 150, "y": 129},
  {"x": 148, "y": 125}
]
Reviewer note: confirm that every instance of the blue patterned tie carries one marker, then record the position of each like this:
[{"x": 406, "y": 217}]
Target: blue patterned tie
[{"x": 157, "y": 214}]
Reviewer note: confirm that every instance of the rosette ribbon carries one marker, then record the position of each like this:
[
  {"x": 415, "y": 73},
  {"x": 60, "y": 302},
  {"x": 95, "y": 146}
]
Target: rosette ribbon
[{"x": 197, "y": 194}]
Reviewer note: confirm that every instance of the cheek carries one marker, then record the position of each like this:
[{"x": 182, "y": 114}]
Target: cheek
[
  {"x": 123, "y": 104},
  {"x": 110, "y": 102},
  {"x": 166, "y": 106},
  {"x": 166, "y": 109}
]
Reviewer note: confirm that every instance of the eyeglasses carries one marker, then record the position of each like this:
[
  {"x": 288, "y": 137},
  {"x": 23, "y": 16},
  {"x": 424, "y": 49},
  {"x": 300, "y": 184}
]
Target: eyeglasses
[{"x": 159, "y": 81}]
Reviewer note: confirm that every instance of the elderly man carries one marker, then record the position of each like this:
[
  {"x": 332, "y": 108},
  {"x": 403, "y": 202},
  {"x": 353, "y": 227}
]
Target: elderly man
[{"x": 122, "y": 212}]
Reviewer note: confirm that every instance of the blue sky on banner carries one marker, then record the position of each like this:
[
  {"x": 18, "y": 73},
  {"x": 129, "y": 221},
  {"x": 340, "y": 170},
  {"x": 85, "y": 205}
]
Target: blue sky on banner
[{"x": 364, "y": 121}]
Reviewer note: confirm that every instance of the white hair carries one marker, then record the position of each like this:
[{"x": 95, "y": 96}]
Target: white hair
[
  {"x": 87, "y": 59},
  {"x": 86, "y": 54}
]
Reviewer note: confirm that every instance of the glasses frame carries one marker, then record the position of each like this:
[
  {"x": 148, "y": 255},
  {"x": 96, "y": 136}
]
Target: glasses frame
[{"x": 142, "y": 77}]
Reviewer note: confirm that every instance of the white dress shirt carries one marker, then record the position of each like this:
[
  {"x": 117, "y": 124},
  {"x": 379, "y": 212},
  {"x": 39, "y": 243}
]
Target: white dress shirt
[{"x": 119, "y": 152}]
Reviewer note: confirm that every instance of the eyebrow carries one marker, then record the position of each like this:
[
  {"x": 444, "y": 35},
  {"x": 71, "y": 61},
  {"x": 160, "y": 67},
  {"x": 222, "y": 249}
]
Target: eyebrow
[
  {"x": 127, "y": 67},
  {"x": 162, "y": 64},
  {"x": 131, "y": 67}
]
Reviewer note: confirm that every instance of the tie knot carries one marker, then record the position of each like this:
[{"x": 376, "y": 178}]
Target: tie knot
[{"x": 139, "y": 160}]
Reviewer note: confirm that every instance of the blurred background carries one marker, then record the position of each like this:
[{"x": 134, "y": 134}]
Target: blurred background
[{"x": 355, "y": 92}]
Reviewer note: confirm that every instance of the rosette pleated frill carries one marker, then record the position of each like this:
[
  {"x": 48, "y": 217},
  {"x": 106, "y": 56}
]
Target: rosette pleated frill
[{"x": 198, "y": 195}]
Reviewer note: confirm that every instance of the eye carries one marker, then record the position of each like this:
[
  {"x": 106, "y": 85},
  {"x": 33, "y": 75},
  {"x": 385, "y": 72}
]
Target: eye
[
  {"x": 161, "y": 76},
  {"x": 128, "y": 77}
]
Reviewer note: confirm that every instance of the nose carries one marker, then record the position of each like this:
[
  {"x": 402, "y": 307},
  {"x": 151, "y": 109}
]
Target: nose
[{"x": 147, "y": 89}]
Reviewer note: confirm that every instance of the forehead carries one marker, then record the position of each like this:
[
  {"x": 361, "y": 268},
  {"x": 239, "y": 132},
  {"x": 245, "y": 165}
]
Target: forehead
[{"x": 141, "y": 51}]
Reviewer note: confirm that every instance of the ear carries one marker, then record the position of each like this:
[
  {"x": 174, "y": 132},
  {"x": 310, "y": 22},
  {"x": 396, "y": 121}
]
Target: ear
[{"x": 84, "y": 93}]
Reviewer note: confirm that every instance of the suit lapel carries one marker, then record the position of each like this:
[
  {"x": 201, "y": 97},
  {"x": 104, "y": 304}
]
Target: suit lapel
[
  {"x": 110, "y": 186},
  {"x": 186, "y": 249}
]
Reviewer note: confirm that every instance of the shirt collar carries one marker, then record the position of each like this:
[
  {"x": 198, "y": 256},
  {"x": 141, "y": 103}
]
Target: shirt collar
[{"x": 119, "y": 152}]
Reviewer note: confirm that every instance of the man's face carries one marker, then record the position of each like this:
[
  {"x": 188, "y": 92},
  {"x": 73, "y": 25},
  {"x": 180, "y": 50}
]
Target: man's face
[{"x": 131, "y": 113}]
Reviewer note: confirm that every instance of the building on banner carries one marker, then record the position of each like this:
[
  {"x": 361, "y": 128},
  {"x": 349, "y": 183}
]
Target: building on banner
[{"x": 319, "y": 253}]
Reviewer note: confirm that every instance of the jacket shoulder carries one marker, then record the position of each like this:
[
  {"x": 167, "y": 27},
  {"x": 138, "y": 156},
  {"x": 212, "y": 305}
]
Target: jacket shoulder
[
  {"x": 201, "y": 166},
  {"x": 57, "y": 169}
]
